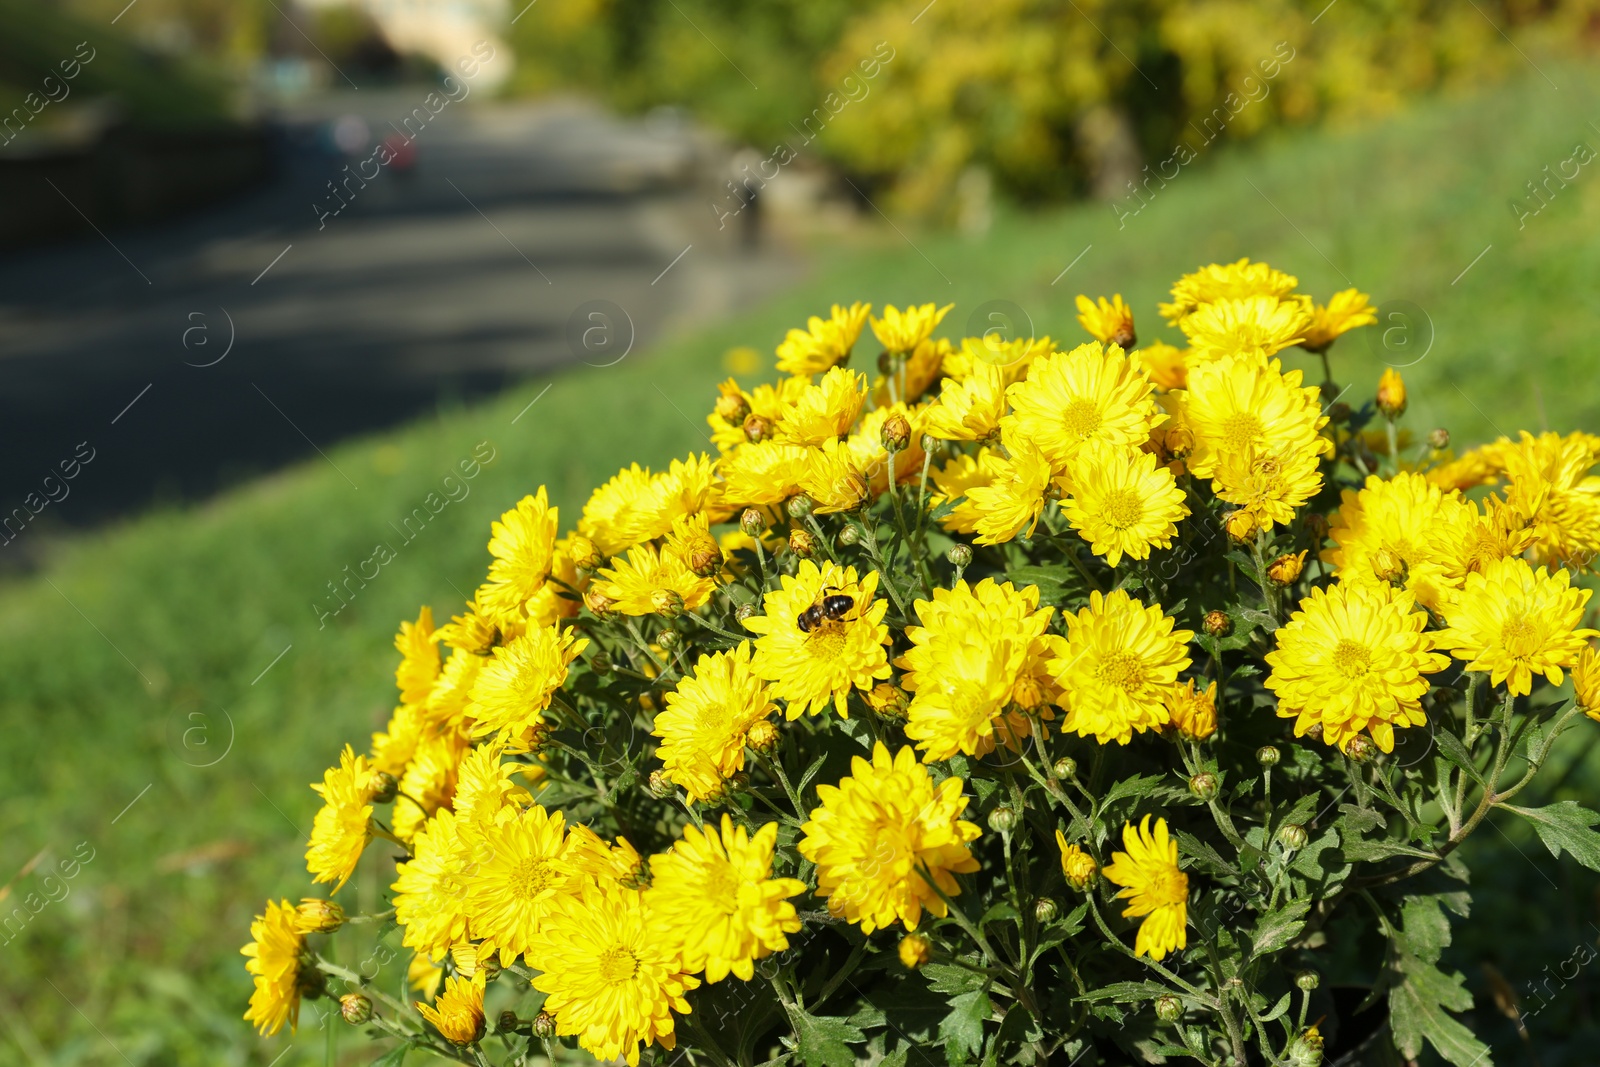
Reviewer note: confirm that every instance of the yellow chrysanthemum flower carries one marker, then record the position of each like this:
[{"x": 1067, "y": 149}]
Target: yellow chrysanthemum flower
[
  {"x": 763, "y": 474},
  {"x": 1231, "y": 281},
  {"x": 476, "y": 632},
  {"x": 1116, "y": 666},
  {"x": 424, "y": 976},
  {"x": 429, "y": 782},
  {"x": 953, "y": 480},
  {"x": 343, "y": 826},
  {"x": 1192, "y": 712},
  {"x": 705, "y": 721},
  {"x": 1586, "y": 681},
  {"x": 1108, "y": 321},
  {"x": 1014, "y": 358},
  {"x": 970, "y": 409},
  {"x": 608, "y": 867},
  {"x": 636, "y": 506},
  {"x": 1551, "y": 482},
  {"x": 446, "y": 708},
  {"x": 1072, "y": 398},
  {"x": 611, "y": 980},
  {"x": 1254, "y": 327},
  {"x": 1344, "y": 312},
  {"x": 881, "y": 833},
  {"x": 554, "y": 601},
  {"x": 1010, "y": 503},
  {"x": 458, "y": 1013},
  {"x": 484, "y": 787},
  {"x": 1398, "y": 531},
  {"x": 714, "y": 898},
  {"x": 1167, "y": 367},
  {"x": 1483, "y": 465},
  {"x": 522, "y": 542},
  {"x": 393, "y": 748},
  {"x": 605, "y": 510},
  {"x": 274, "y": 966},
  {"x": 824, "y": 342},
  {"x": 808, "y": 670},
  {"x": 650, "y": 580},
  {"x": 516, "y": 872},
  {"x": 1122, "y": 503},
  {"x": 1354, "y": 658},
  {"x": 1077, "y": 866},
  {"x": 1154, "y": 888},
  {"x": 964, "y": 664},
  {"x": 832, "y": 480},
  {"x": 1237, "y": 405},
  {"x": 418, "y": 646},
  {"x": 1514, "y": 622},
  {"x": 513, "y": 689},
  {"x": 760, "y": 409},
  {"x": 1270, "y": 485},
  {"x": 691, "y": 540},
  {"x": 912, "y": 376},
  {"x": 431, "y": 888},
  {"x": 825, "y": 411},
  {"x": 903, "y": 331}
]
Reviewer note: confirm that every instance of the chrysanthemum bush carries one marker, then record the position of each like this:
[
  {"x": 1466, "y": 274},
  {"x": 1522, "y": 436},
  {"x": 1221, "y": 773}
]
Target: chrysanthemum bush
[{"x": 1001, "y": 701}]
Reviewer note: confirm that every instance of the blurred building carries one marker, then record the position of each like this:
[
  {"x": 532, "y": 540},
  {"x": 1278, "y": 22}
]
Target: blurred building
[{"x": 442, "y": 30}]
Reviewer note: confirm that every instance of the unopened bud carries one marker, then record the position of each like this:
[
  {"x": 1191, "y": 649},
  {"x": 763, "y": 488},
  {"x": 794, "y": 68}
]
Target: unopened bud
[
  {"x": 1169, "y": 1009},
  {"x": 1305, "y": 1050},
  {"x": 669, "y": 639},
  {"x": 762, "y": 736},
  {"x": 850, "y": 535},
  {"x": 317, "y": 916},
  {"x": 355, "y": 1009},
  {"x": 888, "y": 700},
  {"x": 800, "y": 506},
  {"x": 508, "y": 1023},
  {"x": 583, "y": 553},
  {"x": 1307, "y": 980},
  {"x": 1217, "y": 623},
  {"x": 1360, "y": 748},
  {"x": 732, "y": 408},
  {"x": 1391, "y": 394},
  {"x": 1292, "y": 836},
  {"x": 597, "y": 602},
  {"x": 661, "y": 787},
  {"x": 930, "y": 444},
  {"x": 745, "y": 611},
  {"x": 600, "y": 662},
  {"x": 1241, "y": 526},
  {"x": 752, "y": 523},
  {"x": 757, "y": 429},
  {"x": 1316, "y": 524},
  {"x": 737, "y": 782},
  {"x": 1179, "y": 441},
  {"x": 1339, "y": 411},
  {"x": 1003, "y": 820},
  {"x": 1066, "y": 767},
  {"x": 1285, "y": 570},
  {"x": 896, "y": 435},
  {"x": 383, "y": 788},
  {"x": 959, "y": 555},
  {"x": 1388, "y": 566},
  {"x": 915, "y": 951},
  {"x": 1045, "y": 911},
  {"x": 1438, "y": 438},
  {"x": 490, "y": 966},
  {"x": 704, "y": 556},
  {"x": 1267, "y": 756},
  {"x": 802, "y": 544},
  {"x": 1204, "y": 785},
  {"x": 544, "y": 1025},
  {"x": 666, "y": 602}
]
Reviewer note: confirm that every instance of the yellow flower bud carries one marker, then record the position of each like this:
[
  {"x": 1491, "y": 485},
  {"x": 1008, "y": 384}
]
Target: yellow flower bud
[
  {"x": 802, "y": 544},
  {"x": 762, "y": 735},
  {"x": 1242, "y": 526},
  {"x": 887, "y": 700},
  {"x": 1391, "y": 394},
  {"x": 316, "y": 916},
  {"x": 1586, "y": 681},
  {"x": 1077, "y": 865},
  {"x": 915, "y": 951},
  {"x": 1285, "y": 570},
  {"x": 583, "y": 553}
]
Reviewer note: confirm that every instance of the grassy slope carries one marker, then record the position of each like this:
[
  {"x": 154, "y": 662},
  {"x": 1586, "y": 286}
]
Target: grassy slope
[{"x": 191, "y": 606}]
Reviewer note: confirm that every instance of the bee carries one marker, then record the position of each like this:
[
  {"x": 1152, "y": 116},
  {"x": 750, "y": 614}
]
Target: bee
[{"x": 827, "y": 607}]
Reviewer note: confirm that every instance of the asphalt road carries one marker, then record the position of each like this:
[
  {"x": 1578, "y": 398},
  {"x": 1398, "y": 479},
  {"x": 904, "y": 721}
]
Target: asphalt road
[{"x": 207, "y": 350}]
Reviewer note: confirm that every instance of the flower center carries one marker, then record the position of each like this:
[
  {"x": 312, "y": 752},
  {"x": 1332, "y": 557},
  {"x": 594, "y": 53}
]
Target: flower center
[
  {"x": 712, "y": 717},
  {"x": 1351, "y": 658},
  {"x": 826, "y": 641},
  {"x": 1520, "y": 638},
  {"x": 1168, "y": 886},
  {"x": 1121, "y": 670},
  {"x": 1239, "y": 431},
  {"x": 530, "y": 878},
  {"x": 1081, "y": 419},
  {"x": 618, "y": 964},
  {"x": 1122, "y": 509},
  {"x": 721, "y": 888}
]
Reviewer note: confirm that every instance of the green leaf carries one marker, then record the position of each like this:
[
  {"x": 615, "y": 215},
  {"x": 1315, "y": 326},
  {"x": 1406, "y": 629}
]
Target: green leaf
[
  {"x": 948, "y": 978},
  {"x": 1358, "y": 851},
  {"x": 1125, "y": 992},
  {"x": 1192, "y": 846},
  {"x": 962, "y": 1030},
  {"x": 824, "y": 1041},
  {"x": 1419, "y": 1006},
  {"x": 1260, "y": 618},
  {"x": 1425, "y": 929},
  {"x": 393, "y": 1058},
  {"x": 1055, "y": 584},
  {"x": 1276, "y": 929},
  {"x": 1565, "y": 826},
  {"x": 1277, "y": 1009},
  {"x": 1451, "y": 748},
  {"x": 1140, "y": 785}
]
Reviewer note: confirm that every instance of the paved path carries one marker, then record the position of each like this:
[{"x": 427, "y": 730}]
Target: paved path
[{"x": 445, "y": 282}]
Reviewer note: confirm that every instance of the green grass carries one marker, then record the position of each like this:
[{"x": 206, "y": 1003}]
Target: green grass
[{"x": 124, "y": 663}]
